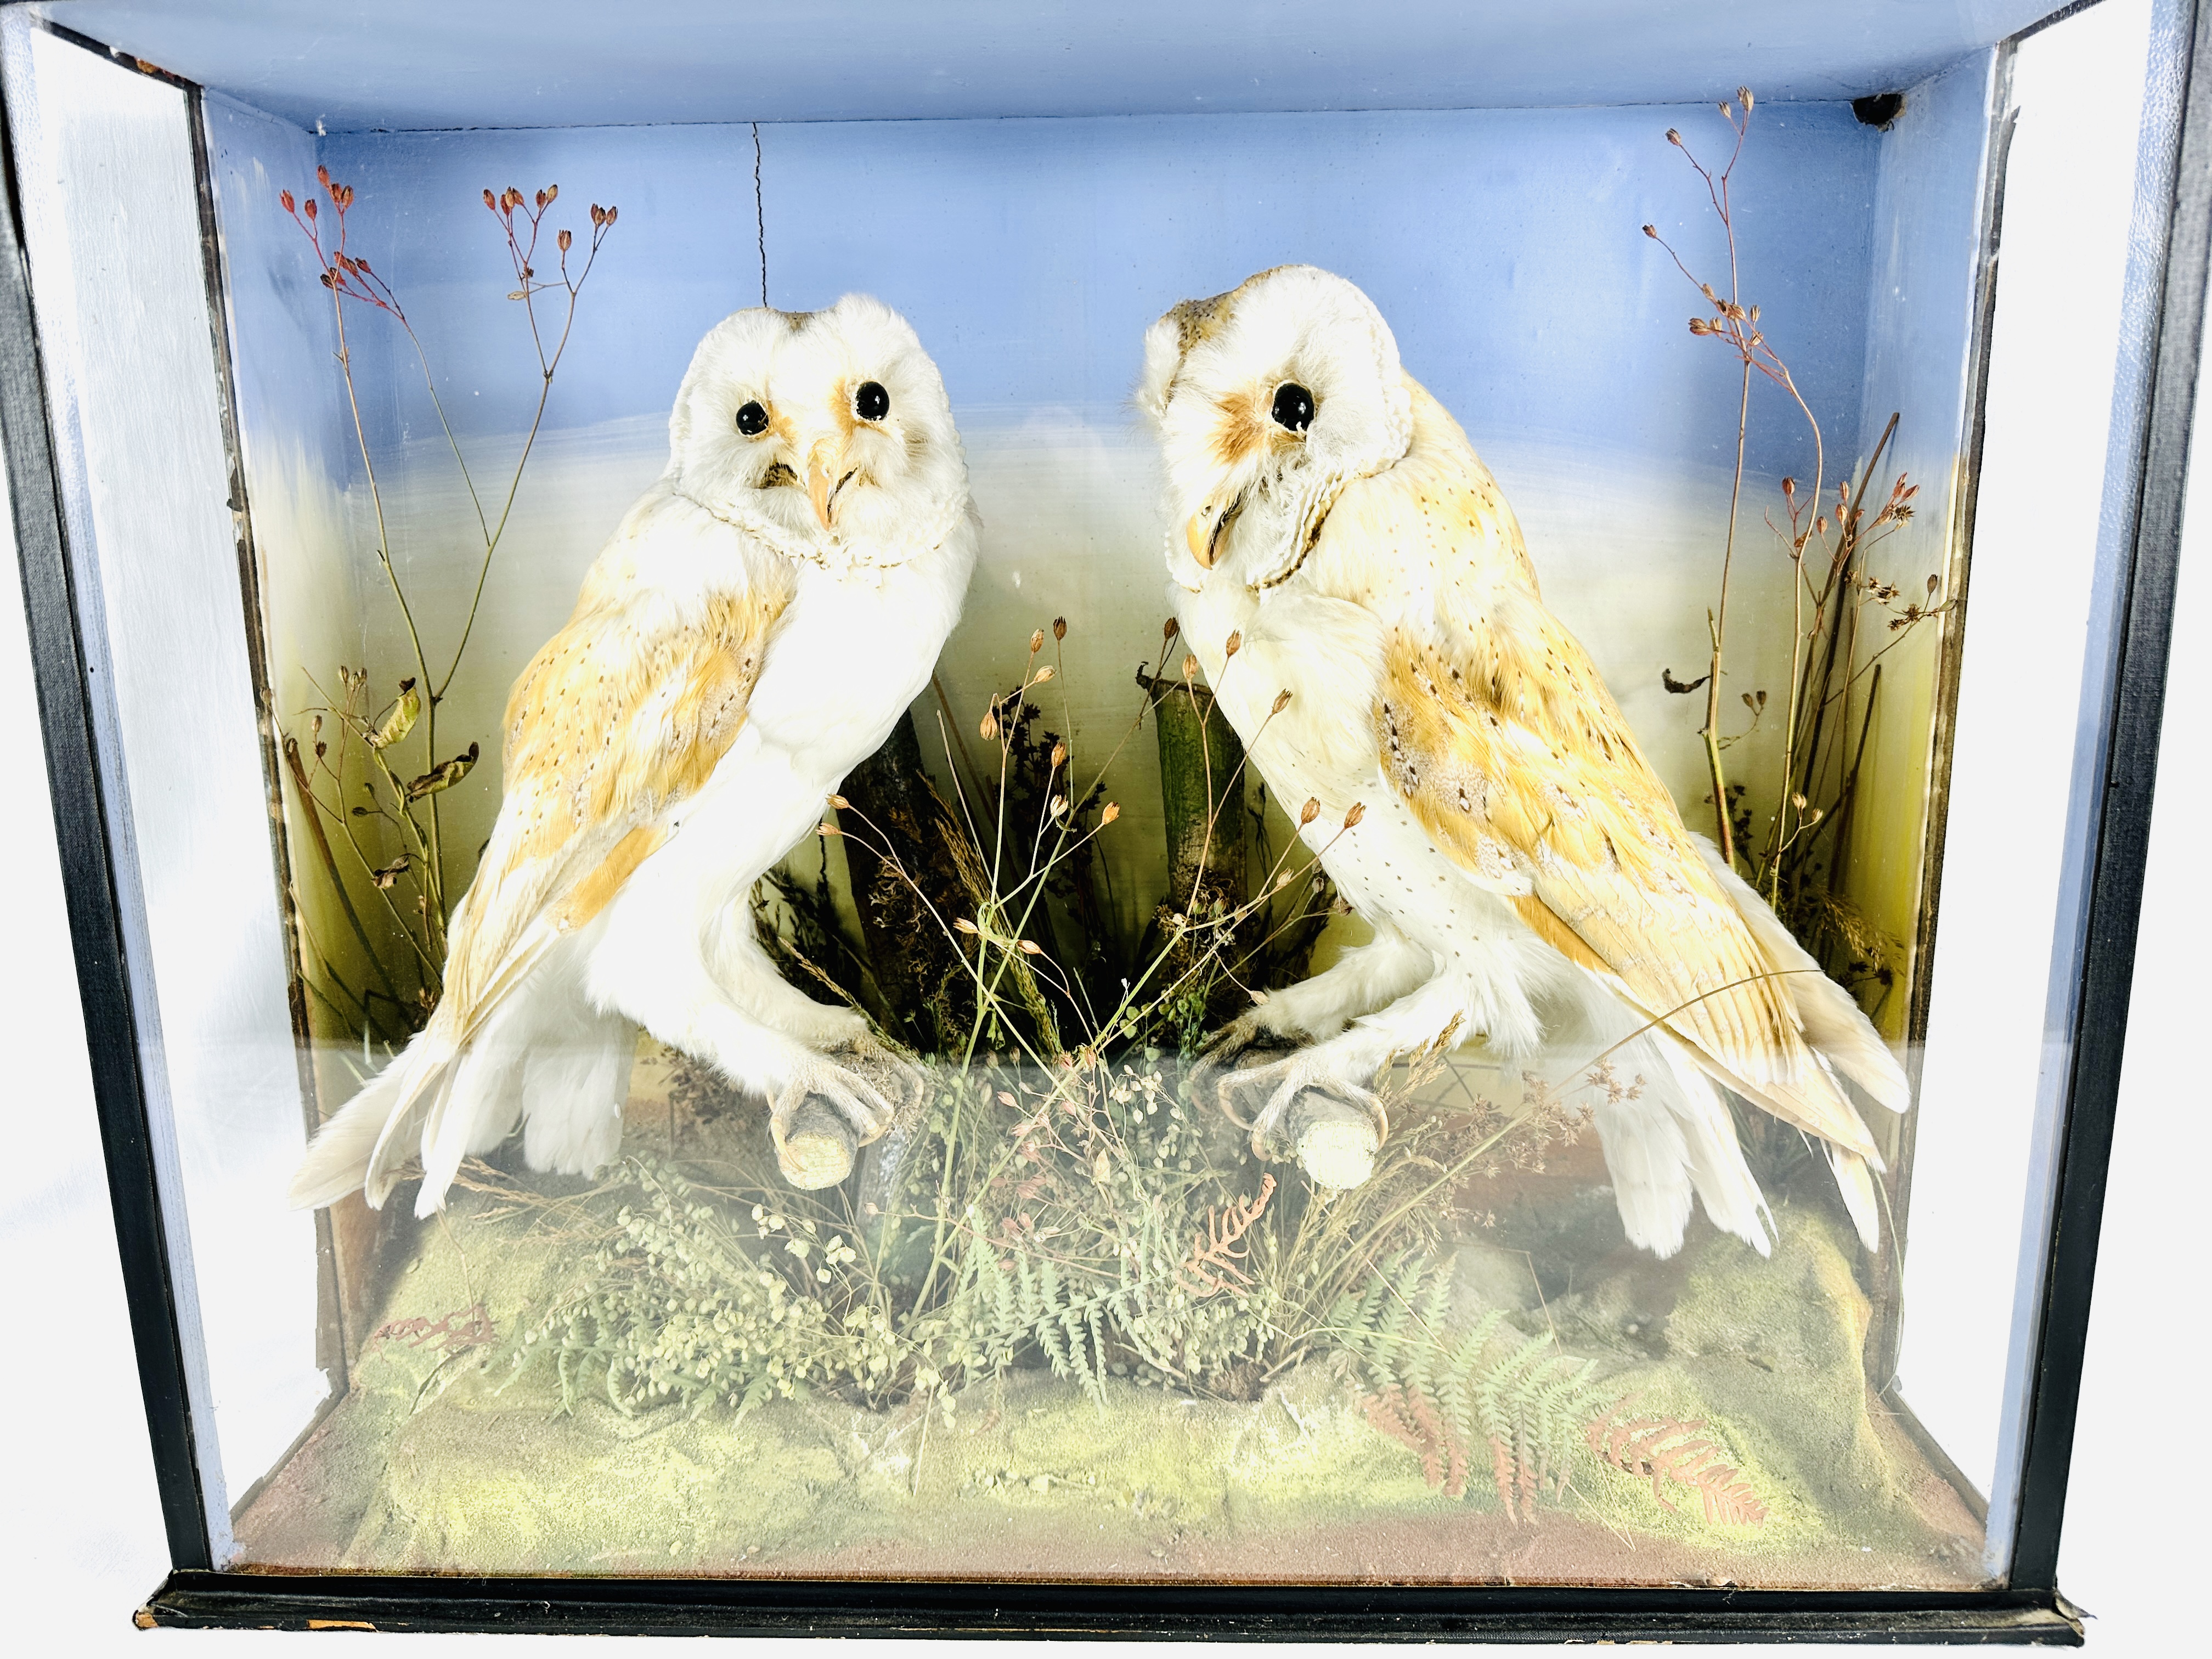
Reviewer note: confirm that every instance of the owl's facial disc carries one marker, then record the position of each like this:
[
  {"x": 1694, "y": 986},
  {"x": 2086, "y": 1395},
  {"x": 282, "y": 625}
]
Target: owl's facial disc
[{"x": 1269, "y": 399}]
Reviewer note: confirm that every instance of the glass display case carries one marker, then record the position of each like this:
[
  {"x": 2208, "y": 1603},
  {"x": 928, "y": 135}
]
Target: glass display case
[{"x": 884, "y": 817}]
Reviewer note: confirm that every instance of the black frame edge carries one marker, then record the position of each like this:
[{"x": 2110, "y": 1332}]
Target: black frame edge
[
  {"x": 2135, "y": 706},
  {"x": 1126, "y": 1612},
  {"x": 60, "y": 672}
]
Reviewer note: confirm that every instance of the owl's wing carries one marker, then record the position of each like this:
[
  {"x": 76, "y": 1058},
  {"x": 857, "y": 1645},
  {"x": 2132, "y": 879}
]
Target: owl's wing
[
  {"x": 624, "y": 713},
  {"x": 1495, "y": 726}
]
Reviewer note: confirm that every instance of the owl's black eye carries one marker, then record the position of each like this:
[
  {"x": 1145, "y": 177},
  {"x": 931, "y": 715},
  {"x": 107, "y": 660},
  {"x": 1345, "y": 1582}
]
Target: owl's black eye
[
  {"x": 752, "y": 420},
  {"x": 1294, "y": 406},
  {"x": 872, "y": 402}
]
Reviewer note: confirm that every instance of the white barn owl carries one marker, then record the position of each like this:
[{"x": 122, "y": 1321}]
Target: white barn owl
[
  {"x": 760, "y": 620},
  {"x": 1526, "y": 873}
]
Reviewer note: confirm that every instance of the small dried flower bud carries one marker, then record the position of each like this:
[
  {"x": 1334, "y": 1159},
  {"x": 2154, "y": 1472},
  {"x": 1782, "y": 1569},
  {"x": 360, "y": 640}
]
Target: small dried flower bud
[
  {"x": 1060, "y": 627},
  {"x": 323, "y": 176},
  {"x": 1257, "y": 995},
  {"x": 1743, "y": 94},
  {"x": 961, "y": 924},
  {"x": 284, "y": 199},
  {"x": 1282, "y": 701},
  {"x": 1036, "y": 642},
  {"x": 1169, "y": 628},
  {"x": 552, "y": 193},
  {"x": 1358, "y": 812},
  {"x": 989, "y": 729},
  {"x": 1797, "y": 800},
  {"x": 1727, "y": 109},
  {"x": 491, "y": 201},
  {"x": 1754, "y": 313},
  {"x": 1031, "y": 948},
  {"x": 1059, "y": 756},
  {"x": 1821, "y": 524},
  {"x": 566, "y": 240},
  {"x": 1113, "y": 810},
  {"x": 1788, "y": 489},
  {"x": 1044, "y": 674},
  {"x": 1308, "y": 812},
  {"x": 1652, "y": 231},
  {"x": 308, "y": 207},
  {"x": 1674, "y": 137},
  {"x": 610, "y": 215},
  {"x": 839, "y": 802},
  {"x": 1233, "y": 644},
  {"x": 1190, "y": 668},
  {"x": 599, "y": 213},
  {"x": 826, "y": 829}
]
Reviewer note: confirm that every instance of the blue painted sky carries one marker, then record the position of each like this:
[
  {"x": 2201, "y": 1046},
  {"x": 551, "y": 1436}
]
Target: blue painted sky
[{"x": 1503, "y": 246}]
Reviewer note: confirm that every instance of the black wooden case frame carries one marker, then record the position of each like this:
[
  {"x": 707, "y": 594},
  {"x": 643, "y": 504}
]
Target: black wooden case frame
[{"x": 2031, "y": 1609}]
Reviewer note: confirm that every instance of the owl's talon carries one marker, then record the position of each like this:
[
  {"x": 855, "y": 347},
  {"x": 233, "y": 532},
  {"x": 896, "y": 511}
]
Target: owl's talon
[
  {"x": 1332, "y": 1126},
  {"x": 1221, "y": 1071},
  {"x": 827, "y": 1113}
]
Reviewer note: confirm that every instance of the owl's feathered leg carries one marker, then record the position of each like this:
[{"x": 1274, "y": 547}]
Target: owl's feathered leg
[{"x": 676, "y": 944}]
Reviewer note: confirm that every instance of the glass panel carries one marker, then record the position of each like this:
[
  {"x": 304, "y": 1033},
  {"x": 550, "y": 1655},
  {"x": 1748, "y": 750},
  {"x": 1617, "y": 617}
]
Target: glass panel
[{"x": 813, "y": 1085}]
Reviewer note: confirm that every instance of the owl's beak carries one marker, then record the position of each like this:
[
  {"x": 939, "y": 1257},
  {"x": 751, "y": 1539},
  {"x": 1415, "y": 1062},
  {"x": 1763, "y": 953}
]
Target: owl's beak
[
  {"x": 826, "y": 474},
  {"x": 1201, "y": 532}
]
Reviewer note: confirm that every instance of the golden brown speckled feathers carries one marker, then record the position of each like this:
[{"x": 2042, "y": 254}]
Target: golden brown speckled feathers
[
  {"x": 1495, "y": 726},
  {"x": 624, "y": 713}
]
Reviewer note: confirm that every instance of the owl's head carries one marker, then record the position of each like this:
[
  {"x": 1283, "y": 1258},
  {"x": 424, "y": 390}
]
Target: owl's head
[
  {"x": 825, "y": 433},
  {"x": 1269, "y": 399}
]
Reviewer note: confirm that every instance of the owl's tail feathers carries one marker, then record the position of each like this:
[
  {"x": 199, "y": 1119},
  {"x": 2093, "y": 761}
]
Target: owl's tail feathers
[
  {"x": 364, "y": 1146},
  {"x": 1855, "y": 1181},
  {"x": 1671, "y": 1138},
  {"x": 1834, "y": 1026}
]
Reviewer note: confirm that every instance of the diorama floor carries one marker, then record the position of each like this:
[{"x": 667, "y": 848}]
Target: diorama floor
[{"x": 441, "y": 1457}]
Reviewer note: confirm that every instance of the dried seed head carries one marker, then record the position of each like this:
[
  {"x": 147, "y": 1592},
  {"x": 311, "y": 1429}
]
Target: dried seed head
[
  {"x": 1790, "y": 489},
  {"x": 1358, "y": 812},
  {"x": 566, "y": 240},
  {"x": 1257, "y": 995},
  {"x": 1031, "y": 948},
  {"x": 826, "y": 829},
  {"x": 1743, "y": 94},
  {"x": 308, "y": 207},
  {"x": 1044, "y": 674},
  {"x": 1674, "y": 137},
  {"x": 1190, "y": 668},
  {"x": 1282, "y": 701},
  {"x": 1059, "y": 806},
  {"x": 1308, "y": 812},
  {"x": 1060, "y": 627},
  {"x": 1821, "y": 524},
  {"x": 839, "y": 802},
  {"x": 1652, "y": 231},
  {"x": 491, "y": 201},
  {"x": 961, "y": 924},
  {"x": 1113, "y": 810},
  {"x": 1933, "y": 582},
  {"x": 1233, "y": 644},
  {"x": 1797, "y": 800},
  {"x": 1036, "y": 642},
  {"x": 284, "y": 199},
  {"x": 1169, "y": 628},
  {"x": 989, "y": 729},
  {"x": 1059, "y": 756}
]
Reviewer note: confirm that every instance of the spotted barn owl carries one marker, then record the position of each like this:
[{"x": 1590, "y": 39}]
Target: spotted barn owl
[
  {"x": 755, "y": 627},
  {"x": 1529, "y": 878}
]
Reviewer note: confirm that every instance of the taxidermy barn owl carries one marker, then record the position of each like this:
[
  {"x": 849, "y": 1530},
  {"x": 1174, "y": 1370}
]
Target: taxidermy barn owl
[
  {"x": 762, "y": 617},
  {"x": 1528, "y": 877}
]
